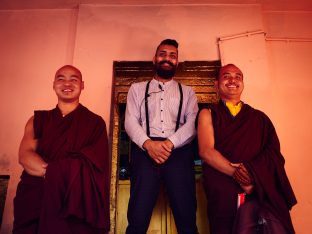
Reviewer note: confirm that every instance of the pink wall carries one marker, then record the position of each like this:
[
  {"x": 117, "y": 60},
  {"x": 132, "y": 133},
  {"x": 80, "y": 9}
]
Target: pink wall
[
  {"x": 108, "y": 33},
  {"x": 35, "y": 42},
  {"x": 290, "y": 64}
]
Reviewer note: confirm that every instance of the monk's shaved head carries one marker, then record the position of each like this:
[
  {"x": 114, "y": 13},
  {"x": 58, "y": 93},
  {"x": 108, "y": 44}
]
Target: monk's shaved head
[{"x": 69, "y": 67}]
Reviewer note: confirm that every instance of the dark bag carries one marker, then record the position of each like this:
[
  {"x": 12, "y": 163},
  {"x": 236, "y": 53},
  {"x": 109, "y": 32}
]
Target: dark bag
[{"x": 251, "y": 218}]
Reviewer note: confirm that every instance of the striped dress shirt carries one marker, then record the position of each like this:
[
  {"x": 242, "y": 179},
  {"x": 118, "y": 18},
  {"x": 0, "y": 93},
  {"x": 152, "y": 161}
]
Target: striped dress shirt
[{"x": 163, "y": 106}]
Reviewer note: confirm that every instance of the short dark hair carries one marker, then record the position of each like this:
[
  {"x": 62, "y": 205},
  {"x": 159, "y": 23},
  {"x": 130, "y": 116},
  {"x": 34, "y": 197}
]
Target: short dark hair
[{"x": 171, "y": 42}]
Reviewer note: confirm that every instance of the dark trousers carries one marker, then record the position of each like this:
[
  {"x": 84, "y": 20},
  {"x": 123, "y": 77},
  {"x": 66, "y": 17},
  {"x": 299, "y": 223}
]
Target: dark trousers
[{"x": 177, "y": 174}]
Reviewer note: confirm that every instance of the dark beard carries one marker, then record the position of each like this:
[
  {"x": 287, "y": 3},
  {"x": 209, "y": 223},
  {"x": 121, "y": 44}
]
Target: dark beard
[{"x": 165, "y": 74}]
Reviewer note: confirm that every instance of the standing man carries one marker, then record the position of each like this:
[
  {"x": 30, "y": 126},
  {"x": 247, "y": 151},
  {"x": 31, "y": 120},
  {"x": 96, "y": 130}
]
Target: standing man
[
  {"x": 64, "y": 187},
  {"x": 160, "y": 118},
  {"x": 242, "y": 162}
]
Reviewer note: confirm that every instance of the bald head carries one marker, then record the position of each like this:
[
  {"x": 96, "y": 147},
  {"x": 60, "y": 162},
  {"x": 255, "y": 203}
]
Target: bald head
[
  {"x": 66, "y": 67},
  {"x": 230, "y": 83},
  {"x": 228, "y": 67}
]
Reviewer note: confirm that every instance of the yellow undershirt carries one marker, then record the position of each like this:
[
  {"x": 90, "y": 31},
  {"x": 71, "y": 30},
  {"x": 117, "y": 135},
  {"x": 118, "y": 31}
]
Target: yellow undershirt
[{"x": 234, "y": 109}]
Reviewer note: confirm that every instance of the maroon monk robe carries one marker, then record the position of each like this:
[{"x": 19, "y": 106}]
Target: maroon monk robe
[
  {"x": 74, "y": 196},
  {"x": 248, "y": 138}
]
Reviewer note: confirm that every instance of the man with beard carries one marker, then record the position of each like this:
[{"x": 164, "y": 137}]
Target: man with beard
[
  {"x": 64, "y": 187},
  {"x": 245, "y": 181},
  {"x": 161, "y": 130}
]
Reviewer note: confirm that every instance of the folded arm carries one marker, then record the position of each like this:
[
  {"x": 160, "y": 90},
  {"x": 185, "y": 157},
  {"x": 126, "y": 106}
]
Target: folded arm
[
  {"x": 28, "y": 158},
  {"x": 206, "y": 142},
  {"x": 210, "y": 155}
]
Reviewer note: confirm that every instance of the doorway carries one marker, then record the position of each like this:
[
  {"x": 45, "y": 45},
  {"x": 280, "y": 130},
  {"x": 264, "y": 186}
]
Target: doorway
[{"x": 200, "y": 75}]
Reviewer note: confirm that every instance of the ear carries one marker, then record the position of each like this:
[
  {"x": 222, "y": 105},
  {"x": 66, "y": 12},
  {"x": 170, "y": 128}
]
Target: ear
[
  {"x": 82, "y": 85},
  {"x": 216, "y": 84},
  {"x": 154, "y": 60}
]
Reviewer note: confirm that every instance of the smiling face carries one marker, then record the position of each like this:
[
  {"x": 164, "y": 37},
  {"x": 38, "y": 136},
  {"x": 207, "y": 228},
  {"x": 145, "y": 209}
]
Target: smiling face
[
  {"x": 166, "y": 61},
  {"x": 230, "y": 83},
  {"x": 68, "y": 84}
]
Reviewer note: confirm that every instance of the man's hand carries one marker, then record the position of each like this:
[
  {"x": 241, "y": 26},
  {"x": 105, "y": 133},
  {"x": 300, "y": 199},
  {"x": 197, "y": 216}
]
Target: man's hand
[
  {"x": 44, "y": 167},
  {"x": 168, "y": 145},
  {"x": 241, "y": 175},
  {"x": 159, "y": 151},
  {"x": 247, "y": 189}
]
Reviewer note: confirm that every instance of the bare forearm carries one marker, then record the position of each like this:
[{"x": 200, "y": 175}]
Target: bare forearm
[
  {"x": 220, "y": 163},
  {"x": 213, "y": 158},
  {"x": 33, "y": 163},
  {"x": 28, "y": 158}
]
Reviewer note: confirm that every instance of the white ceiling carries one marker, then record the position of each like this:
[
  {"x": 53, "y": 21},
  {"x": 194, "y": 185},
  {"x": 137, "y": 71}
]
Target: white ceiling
[{"x": 275, "y": 5}]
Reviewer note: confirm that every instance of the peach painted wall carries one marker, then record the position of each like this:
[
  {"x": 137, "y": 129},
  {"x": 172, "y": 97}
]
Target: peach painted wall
[
  {"x": 35, "y": 43},
  {"x": 109, "y": 33},
  {"x": 290, "y": 65}
]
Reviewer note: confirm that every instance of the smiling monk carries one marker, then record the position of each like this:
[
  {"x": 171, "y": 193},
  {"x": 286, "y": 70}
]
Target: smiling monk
[
  {"x": 64, "y": 187},
  {"x": 245, "y": 181}
]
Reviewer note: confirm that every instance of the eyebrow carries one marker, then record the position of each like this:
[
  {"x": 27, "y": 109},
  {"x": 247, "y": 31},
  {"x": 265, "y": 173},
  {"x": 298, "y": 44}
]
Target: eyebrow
[
  {"x": 165, "y": 51},
  {"x": 236, "y": 73},
  {"x": 75, "y": 76}
]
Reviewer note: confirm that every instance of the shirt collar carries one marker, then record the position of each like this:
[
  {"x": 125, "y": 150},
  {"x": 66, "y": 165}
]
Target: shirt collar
[{"x": 166, "y": 85}]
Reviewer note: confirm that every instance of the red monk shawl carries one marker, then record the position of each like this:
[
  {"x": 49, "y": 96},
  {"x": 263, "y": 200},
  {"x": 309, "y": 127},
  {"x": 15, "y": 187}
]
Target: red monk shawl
[
  {"x": 250, "y": 138},
  {"x": 74, "y": 196}
]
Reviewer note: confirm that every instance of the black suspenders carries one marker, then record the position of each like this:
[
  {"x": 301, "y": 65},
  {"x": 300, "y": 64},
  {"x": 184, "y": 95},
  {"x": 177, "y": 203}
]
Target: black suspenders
[
  {"x": 180, "y": 108},
  {"x": 146, "y": 108}
]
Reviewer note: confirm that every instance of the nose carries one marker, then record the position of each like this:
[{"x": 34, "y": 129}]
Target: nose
[
  {"x": 167, "y": 57},
  {"x": 231, "y": 79},
  {"x": 67, "y": 83}
]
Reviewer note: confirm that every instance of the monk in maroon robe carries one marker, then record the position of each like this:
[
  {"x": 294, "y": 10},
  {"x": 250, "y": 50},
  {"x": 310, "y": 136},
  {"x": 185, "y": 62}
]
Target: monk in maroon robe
[
  {"x": 64, "y": 187},
  {"x": 242, "y": 161}
]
